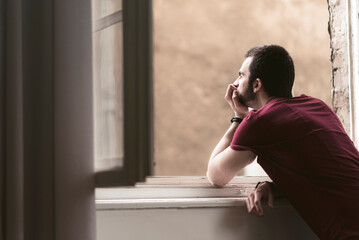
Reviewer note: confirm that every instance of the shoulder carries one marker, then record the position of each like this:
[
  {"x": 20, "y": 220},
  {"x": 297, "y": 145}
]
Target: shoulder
[
  {"x": 284, "y": 106},
  {"x": 281, "y": 120},
  {"x": 271, "y": 112},
  {"x": 281, "y": 112}
]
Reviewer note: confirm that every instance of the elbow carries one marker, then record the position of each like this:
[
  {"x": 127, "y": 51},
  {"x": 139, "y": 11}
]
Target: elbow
[{"x": 215, "y": 180}]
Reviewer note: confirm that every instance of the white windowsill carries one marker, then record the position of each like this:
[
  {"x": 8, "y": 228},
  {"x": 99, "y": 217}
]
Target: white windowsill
[{"x": 176, "y": 192}]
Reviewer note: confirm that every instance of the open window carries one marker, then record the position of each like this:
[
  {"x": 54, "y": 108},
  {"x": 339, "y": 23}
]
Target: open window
[
  {"x": 126, "y": 133},
  {"x": 122, "y": 49}
]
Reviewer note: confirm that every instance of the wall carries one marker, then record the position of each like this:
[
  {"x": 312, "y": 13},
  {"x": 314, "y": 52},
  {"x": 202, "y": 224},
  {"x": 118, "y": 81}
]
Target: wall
[
  {"x": 190, "y": 208},
  {"x": 339, "y": 57},
  {"x": 231, "y": 223},
  {"x": 198, "y": 49}
]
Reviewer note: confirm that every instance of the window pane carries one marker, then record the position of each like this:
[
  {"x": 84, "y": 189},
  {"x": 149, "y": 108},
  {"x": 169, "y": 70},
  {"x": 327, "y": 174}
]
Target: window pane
[
  {"x": 108, "y": 80},
  {"x": 103, "y": 8}
]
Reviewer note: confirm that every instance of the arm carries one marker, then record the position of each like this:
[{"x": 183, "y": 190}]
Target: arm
[{"x": 225, "y": 162}]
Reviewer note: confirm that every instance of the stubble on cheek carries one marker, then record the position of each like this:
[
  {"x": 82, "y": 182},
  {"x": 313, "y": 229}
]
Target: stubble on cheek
[
  {"x": 242, "y": 100},
  {"x": 246, "y": 97}
]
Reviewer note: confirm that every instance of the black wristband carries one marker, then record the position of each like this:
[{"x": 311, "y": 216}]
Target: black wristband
[
  {"x": 270, "y": 185},
  {"x": 236, "y": 119},
  {"x": 259, "y": 183}
]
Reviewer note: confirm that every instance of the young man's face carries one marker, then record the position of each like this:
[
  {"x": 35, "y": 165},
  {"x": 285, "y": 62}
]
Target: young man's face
[{"x": 245, "y": 90}]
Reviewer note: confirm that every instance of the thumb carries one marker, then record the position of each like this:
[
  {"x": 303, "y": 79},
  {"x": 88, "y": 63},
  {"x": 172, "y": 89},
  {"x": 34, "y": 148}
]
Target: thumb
[
  {"x": 270, "y": 199},
  {"x": 235, "y": 97}
]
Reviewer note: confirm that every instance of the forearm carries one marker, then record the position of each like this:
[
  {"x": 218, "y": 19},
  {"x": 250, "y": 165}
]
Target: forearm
[
  {"x": 224, "y": 162},
  {"x": 225, "y": 141}
]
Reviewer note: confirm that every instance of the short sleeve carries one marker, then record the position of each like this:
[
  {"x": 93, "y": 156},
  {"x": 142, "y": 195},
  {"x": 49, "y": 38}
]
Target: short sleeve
[
  {"x": 265, "y": 128},
  {"x": 249, "y": 134}
]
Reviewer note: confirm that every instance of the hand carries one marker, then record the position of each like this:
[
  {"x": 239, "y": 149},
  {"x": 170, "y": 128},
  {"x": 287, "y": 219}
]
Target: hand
[
  {"x": 232, "y": 97},
  {"x": 263, "y": 191}
]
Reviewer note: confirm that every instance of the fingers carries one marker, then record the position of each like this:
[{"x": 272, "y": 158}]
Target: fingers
[
  {"x": 254, "y": 199},
  {"x": 229, "y": 92},
  {"x": 270, "y": 199},
  {"x": 249, "y": 203},
  {"x": 232, "y": 97},
  {"x": 257, "y": 203},
  {"x": 254, "y": 204},
  {"x": 235, "y": 99}
]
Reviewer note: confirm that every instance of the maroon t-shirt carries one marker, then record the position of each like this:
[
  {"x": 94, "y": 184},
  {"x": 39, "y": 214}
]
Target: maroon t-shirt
[{"x": 304, "y": 149}]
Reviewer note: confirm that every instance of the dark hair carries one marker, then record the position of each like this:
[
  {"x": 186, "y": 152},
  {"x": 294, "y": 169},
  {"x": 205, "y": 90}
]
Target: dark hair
[{"x": 273, "y": 65}]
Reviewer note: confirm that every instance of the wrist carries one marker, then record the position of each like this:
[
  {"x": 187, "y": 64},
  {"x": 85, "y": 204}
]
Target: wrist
[
  {"x": 241, "y": 115},
  {"x": 236, "y": 120},
  {"x": 269, "y": 184}
]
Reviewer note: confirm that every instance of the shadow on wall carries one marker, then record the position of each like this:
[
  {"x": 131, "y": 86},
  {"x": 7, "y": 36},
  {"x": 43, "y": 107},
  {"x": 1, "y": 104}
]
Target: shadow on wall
[
  {"x": 281, "y": 223},
  {"x": 203, "y": 223}
]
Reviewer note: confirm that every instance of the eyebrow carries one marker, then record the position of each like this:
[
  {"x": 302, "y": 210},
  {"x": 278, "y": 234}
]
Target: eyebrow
[{"x": 240, "y": 73}]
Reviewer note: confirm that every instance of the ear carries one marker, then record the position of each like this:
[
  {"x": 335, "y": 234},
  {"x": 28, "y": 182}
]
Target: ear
[{"x": 257, "y": 85}]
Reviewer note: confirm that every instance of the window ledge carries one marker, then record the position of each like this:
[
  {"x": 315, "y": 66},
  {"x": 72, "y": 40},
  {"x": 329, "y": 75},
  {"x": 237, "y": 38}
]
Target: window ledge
[
  {"x": 118, "y": 204},
  {"x": 176, "y": 192}
]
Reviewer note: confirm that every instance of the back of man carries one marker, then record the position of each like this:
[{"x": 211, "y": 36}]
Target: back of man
[
  {"x": 304, "y": 149},
  {"x": 299, "y": 142}
]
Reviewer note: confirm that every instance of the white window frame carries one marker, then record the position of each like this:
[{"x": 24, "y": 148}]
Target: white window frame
[{"x": 353, "y": 66}]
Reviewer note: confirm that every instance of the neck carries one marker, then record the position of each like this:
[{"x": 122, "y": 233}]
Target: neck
[
  {"x": 269, "y": 99},
  {"x": 262, "y": 100}
]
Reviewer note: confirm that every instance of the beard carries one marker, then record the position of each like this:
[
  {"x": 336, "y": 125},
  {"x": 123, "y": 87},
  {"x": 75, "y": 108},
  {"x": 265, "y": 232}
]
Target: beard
[{"x": 247, "y": 97}]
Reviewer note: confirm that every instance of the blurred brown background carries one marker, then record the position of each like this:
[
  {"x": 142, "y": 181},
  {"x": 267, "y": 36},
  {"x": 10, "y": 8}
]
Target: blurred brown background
[{"x": 198, "y": 50}]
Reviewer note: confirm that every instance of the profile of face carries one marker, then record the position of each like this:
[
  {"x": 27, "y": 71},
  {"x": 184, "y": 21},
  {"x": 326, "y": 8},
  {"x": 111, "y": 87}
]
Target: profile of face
[{"x": 245, "y": 91}]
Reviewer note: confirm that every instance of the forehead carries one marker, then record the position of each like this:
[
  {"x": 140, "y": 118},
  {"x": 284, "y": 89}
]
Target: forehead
[{"x": 245, "y": 66}]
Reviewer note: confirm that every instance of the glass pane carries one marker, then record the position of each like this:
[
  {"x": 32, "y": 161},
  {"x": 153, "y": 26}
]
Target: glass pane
[
  {"x": 103, "y": 8},
  {"x": 108, "y": 89}
]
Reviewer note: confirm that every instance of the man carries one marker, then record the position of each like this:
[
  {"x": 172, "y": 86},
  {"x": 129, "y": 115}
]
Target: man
[{"x": 299, "y": 141}]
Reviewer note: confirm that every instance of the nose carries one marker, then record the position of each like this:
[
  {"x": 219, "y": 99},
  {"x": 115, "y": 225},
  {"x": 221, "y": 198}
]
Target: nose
[{"x": 236, "y": 83}]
